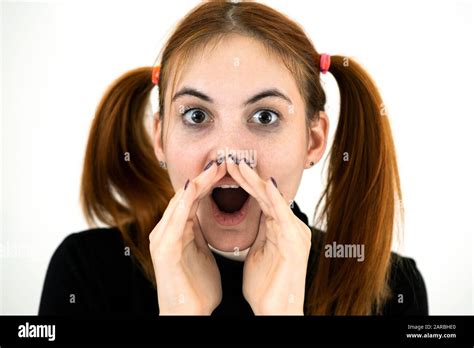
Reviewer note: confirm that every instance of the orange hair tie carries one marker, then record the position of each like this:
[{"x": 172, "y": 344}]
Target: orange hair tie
[{"x": 155, "y": 74}]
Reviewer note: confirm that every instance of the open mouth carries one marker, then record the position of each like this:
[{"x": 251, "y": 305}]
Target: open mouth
[
  {"x": 229, "y": 204},
  {"x": 229, "y": 198}
]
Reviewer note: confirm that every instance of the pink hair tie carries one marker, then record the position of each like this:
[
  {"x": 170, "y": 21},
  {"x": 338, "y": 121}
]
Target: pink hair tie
[
  {"x": 155, "y": 74},
  {"x": 324, "y": 62}
]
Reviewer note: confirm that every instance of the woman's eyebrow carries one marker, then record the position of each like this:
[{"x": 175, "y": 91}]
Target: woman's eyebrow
[
  {"x": 273, "y": 92},
  {"x": 193, "y": 92}
]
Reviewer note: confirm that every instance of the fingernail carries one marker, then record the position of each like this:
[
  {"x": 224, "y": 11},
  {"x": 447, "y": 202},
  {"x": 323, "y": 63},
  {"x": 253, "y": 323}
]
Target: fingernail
[
  {"x": 219, "y": 161},
  {"x": 209, "y": 165},
  {"x": 248, "y": 162},
  {"x": 231, "y": 156},
  {"x": 186, "y": 185},
  {"x": 274, "y": 182}
]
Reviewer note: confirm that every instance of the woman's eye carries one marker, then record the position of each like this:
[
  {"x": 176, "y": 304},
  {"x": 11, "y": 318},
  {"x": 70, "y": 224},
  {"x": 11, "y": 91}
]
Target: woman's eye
[
  {"x": 194, "y": 116},
  {"x": 265, "y": 117}
]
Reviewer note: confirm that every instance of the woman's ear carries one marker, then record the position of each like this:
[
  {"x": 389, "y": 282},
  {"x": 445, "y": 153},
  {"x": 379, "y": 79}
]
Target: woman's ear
[
  {"x": 157, "y": 140},
  {"x": 318, "y": 134}
]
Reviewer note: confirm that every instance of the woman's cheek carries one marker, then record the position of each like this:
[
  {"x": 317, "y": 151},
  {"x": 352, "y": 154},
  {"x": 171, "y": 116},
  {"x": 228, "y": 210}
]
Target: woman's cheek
[{"x": 181, "y": 164}]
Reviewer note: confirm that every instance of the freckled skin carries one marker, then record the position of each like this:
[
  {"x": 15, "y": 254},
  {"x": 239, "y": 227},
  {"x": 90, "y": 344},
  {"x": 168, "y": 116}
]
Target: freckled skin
[{"x": 235, "y": 70}]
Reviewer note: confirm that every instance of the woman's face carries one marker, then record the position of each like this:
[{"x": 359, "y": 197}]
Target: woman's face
[{"x": 238, "y": 98}]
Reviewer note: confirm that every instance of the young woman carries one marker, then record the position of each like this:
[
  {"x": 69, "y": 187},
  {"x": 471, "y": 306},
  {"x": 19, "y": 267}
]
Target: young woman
[{"x": 203, "y": 208}]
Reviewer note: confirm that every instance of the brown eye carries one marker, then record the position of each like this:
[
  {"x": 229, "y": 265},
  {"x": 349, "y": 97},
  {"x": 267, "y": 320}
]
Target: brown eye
[
  {"x": 265, "y": 117},
  {"x": 194, "y": 116}
]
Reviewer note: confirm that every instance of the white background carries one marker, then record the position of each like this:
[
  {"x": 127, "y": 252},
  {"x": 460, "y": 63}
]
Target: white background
[{"x": 59, "y": 57}]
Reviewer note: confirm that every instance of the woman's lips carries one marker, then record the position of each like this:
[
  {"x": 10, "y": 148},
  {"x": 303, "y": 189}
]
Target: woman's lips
[{"x": 229, "y": 219}]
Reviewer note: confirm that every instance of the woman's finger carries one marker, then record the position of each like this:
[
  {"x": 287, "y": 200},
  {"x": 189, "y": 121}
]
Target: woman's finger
[
  {"x": 186, "y": 204},
  {"x": 282, "y": 211},
  {"x": 204, "y": 185},
  {"x": 286, "y": 220},
  {"x": 235, "y": 172},
  {"x": 199, "y": 236},
  {"x": 257, "y": 184},
  {"x": 261, "y": 235},
  {"x": 269, "y": 190},
  {"x": 212, "y": 173},
  {"x": 174, "y": 227},
  {"x": 203, "y": 188},
  {"x": 282, "y": 216},
  {"x": 160, "y": 227}
]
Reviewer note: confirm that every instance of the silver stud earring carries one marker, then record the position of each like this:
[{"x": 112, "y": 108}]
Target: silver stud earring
[
  {"x": 290, "y": 204},
  {"x": 163, "y": 164}
]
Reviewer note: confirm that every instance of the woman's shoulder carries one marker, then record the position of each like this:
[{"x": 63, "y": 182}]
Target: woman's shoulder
[
  {"x": 87, "y": 244},
  {"x": 95, "y": 247},
  {"x": 92, "y": 238},
  {"x": 408, "y": 290},
  {"x": 86, "y": 272}
]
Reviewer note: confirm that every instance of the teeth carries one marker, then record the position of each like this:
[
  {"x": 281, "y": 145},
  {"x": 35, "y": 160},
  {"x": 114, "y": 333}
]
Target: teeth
[{"x": 229, "y": 186}]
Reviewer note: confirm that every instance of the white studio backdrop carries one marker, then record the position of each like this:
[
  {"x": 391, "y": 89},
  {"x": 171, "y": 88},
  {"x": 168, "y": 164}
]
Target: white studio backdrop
[{"x": 58, "y": 58}]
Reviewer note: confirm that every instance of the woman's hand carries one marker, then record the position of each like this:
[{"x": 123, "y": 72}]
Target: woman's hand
[
  {"x": 187, "y": 277},
  {"x": 275, "y": 267}
]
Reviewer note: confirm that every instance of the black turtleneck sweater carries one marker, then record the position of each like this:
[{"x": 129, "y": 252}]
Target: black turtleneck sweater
[{"x": 90, "y": 273}]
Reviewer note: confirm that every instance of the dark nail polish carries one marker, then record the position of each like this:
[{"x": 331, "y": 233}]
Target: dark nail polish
[
  {"x": 219, "y": 161},
  {"x": 274, "y": 181},
  {"x": 248, "y": 163},
  {"x": 186, "y": 185},
  {"x": 209, "y": 165}
]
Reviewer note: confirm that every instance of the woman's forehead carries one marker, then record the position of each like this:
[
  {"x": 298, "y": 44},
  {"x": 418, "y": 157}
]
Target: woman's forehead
[{"x": 233, "y": 68}]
